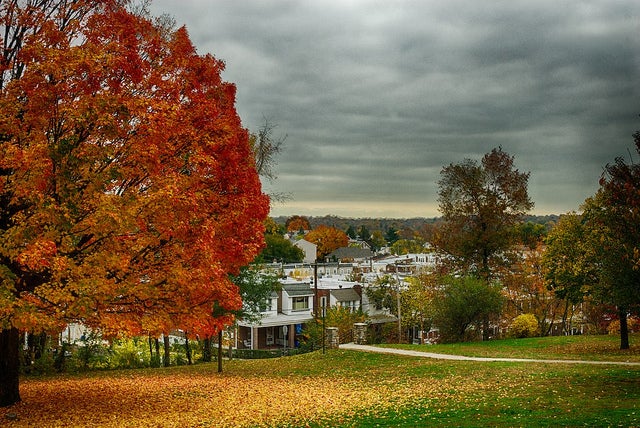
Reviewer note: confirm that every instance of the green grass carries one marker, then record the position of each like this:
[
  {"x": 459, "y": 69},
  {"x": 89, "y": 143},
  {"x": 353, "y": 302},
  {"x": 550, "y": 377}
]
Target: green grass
[
  {"x": 595, "y": 348},
  {"x": 496, "y": 394},
  {"x": 359, "y": 389}
]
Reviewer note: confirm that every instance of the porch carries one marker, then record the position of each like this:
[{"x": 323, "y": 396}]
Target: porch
[{"x": 273, "y": 332}]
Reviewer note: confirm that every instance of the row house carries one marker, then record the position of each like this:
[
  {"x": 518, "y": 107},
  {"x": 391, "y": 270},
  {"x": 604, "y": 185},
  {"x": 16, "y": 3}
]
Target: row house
[
  {"x": 282, "y": 321},
  {"x": 288, "y": 311}
]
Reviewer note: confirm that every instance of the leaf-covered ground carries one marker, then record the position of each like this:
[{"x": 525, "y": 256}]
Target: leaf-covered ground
[{"x": 341, "y": 388}]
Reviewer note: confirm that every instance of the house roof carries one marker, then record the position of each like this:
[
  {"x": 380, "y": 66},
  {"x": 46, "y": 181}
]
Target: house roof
[
  {"x": 280, "y": 319},
  {"x": 345, "y": 295},
  {"x": 351, "y": 253},
  {"x": 301, "y": 289}
]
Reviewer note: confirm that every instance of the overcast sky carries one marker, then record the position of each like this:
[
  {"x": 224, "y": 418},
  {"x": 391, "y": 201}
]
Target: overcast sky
[{"x": 375, "y": 97}]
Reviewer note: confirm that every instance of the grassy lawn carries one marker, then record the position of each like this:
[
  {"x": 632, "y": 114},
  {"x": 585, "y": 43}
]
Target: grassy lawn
[
  {"x": 345, "y": 388},
  {"x": 597, "y": 348}
]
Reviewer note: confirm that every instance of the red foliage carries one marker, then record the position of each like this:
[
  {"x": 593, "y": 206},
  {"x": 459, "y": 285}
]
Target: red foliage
[{"x": 129, "y": 191}]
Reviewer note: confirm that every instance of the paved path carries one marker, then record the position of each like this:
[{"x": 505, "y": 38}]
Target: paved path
[{"x": 368, "y": 348}]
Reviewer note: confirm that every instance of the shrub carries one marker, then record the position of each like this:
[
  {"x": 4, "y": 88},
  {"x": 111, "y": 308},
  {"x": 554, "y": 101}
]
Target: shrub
[
  {"x": 525, "y": 325},
  {"x": 465, "y": 307},
  {"x": 90, "y": 353},
  {"x": 130, "y": 354}
]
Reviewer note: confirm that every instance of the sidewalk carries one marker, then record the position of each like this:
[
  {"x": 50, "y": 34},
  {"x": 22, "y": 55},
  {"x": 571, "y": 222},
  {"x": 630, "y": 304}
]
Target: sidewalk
[{"x": 367, "y": 348}]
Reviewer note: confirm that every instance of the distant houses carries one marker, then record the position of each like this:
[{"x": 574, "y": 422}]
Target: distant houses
[{"x": 309, "y": 286}]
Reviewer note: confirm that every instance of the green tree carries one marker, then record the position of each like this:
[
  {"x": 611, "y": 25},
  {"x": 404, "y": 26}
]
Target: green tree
[
  {"x": 281, "y": 249},
  {"x": 382, "y": 293},
  {"x": 480, "y": 205},
  {"x": 569, "y": 262},
  {"x": 391, "y": 235},
  {"x": 407, "y": 246},
  {"x": 364, "y": 233},
  {"x": 530, "y": 234},
  {"x": 256, "y": 287},
  {"x": 376, "y": 241},
  {"x": 465, "y": 306}
]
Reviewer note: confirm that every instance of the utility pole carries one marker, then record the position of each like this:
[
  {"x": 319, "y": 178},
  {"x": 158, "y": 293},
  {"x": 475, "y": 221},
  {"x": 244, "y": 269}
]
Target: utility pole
[
  {"x": 315, "y": 289},
  {"x": 398, "y": 302}
]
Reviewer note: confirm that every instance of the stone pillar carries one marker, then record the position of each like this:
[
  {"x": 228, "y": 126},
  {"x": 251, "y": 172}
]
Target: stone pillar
[
  {"x": 332, "y": 339},
  {"x": 360, "y": 333}
]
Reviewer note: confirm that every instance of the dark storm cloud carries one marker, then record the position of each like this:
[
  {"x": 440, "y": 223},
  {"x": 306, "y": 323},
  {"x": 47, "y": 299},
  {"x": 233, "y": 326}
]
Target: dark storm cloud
[{"x": 375, "y": 97}]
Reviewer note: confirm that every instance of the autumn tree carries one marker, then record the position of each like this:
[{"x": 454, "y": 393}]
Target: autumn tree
[
  {"x": 385, "y": 293},
  {"x": 480, "y": 205},
  {"x": 597, "y": 254},
  {"x": 297, "y": 223},
  {"x": 418, "y": 300},
  {"x": 615, "y": 219},
  {"x": 128, "y": 188},
  {"x": 327, "y": 239},
  {"x": 527, "y": 291}
]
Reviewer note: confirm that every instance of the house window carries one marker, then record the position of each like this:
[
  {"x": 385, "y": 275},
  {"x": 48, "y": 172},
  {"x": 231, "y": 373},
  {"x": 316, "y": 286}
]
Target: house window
[
  {"x": 300, "y": 303},
  {"x": 266, "y": 305},
  {"x": 351, "y": 305}
]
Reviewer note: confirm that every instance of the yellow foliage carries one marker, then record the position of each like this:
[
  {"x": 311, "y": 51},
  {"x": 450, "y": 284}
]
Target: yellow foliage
[
  {"x": 525, "y": 325},
  {"x": 633, "y": 323}
]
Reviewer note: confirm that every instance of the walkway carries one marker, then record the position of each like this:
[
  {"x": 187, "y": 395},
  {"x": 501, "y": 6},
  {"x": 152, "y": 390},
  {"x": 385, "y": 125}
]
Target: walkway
[{"x": 367, "y": 348}]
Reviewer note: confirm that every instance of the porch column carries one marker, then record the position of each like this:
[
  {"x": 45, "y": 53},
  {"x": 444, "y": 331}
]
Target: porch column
[
  {"x": 291, "y": 339},
  {"x": 254, "y": 337}
]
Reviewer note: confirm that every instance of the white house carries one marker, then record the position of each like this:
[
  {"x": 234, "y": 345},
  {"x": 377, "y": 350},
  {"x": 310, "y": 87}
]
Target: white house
[
  {"x": 282, "y": 322},
  {"x": 309, "y": 249}
]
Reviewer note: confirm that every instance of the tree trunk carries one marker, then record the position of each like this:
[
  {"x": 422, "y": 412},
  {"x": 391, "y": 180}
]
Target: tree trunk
[
  {"x": 624, "y": 328},
  {"x": 220, "y": 351},
  {"x": 187, "y": 348},
  {"x": 167, "y": 350},
  {"x": 565, "y": 315},
  {"x": 9, "y": 367},
  {"x": 150, "y": 347},
  {"x": 206, "y": 350}
]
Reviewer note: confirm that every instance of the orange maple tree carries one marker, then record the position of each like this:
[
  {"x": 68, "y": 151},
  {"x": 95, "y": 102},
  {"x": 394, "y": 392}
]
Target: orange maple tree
[
  {"x": 128, "y": 187},
  {"x": 296, "y": 223},
  {"x": 327, "y": 239}
]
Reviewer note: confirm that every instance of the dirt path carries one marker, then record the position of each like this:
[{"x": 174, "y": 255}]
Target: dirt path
[{"x": 367, "y": 348}]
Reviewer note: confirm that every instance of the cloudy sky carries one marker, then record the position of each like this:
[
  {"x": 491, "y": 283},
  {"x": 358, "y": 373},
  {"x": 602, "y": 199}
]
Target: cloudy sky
[{"x": 375, "y": 97}]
